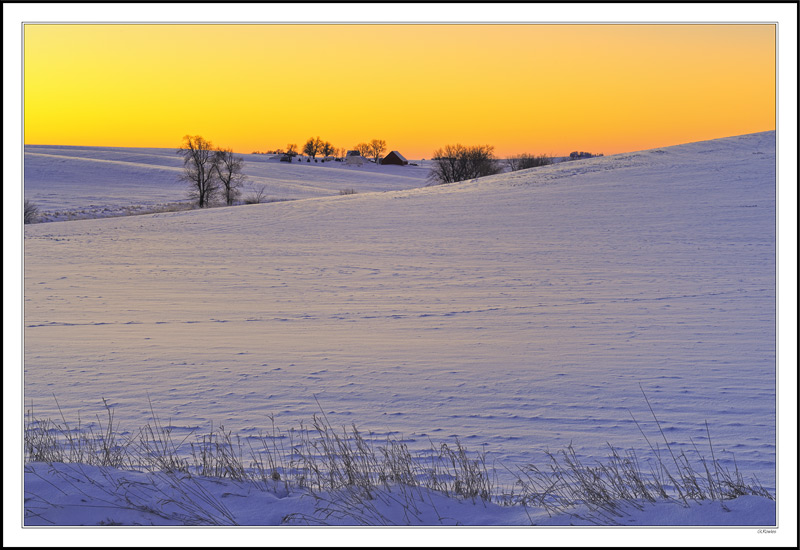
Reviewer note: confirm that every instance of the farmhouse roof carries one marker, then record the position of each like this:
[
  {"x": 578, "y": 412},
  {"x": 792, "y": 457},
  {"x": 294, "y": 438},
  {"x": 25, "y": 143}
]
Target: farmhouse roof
[
  {"x": 394, "y": 158},
  {"x": 397, "y": 153}
]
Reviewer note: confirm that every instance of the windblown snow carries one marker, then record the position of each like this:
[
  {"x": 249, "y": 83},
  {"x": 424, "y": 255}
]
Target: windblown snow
[{"x": 519, "y": 313}]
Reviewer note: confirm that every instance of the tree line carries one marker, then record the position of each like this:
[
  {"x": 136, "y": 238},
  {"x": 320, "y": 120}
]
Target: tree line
[
  {"x": 216, "y": 173},
  {"x": 453, "y": 163},
  {"x": 211, "y": 172},
  {"x": 577, "y": 155},
  {"x": 315, "y": 146}
]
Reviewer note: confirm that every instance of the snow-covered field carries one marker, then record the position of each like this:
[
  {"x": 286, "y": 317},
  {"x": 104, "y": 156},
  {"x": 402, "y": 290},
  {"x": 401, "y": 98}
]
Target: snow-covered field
[
  {"x": 77, "y": 494},
  {"x": 69, "y": 183},
  {"x": 519, "y": 313}
]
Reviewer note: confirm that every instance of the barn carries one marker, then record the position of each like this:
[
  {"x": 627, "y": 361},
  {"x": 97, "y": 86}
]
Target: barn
[{"x": 394, "y": 158}]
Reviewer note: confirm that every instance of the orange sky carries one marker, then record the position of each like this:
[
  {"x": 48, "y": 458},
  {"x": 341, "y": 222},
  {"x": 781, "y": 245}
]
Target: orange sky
[{"x": 522, "y": 88}]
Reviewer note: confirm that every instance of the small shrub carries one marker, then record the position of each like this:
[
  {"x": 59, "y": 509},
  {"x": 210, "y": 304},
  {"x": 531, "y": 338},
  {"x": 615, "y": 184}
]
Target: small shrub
[
  {"x": 578, "y": 155},
  {"x": 525, "y": 161},
  {"x": 31, "y": 212},
  {"x": 257, "y": 196},
  {"x": 349, "y": 191}
]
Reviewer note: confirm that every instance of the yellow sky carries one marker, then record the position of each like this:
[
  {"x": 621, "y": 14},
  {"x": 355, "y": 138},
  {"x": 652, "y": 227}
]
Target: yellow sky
[{"x": 522, "y": 88}]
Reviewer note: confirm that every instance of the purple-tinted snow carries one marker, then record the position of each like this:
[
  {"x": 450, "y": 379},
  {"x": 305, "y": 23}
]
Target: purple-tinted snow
[{"x": 519, "y": 312}]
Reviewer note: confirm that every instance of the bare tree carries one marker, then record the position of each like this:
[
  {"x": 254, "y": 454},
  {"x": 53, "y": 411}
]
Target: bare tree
[
  {"x": 291, "y": 149},
  {"x": 376, "y": 148},
  {"x": 446, "y": 164},
  {"x": 525, "y": 160},
  {"x": 199, "y": 169},
  {"x": 454, "y": 163},
  {"x": 363, "y": 149},
  {"x": 327, "y": 149},
  {"x": 312, "y": 147},
  {"x": 229, "y": 173}
]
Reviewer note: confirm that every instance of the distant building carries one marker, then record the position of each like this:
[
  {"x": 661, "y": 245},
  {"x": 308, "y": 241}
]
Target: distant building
[
  {"x": 394, "y": 158},
  {"x": 354, "y": 157}
]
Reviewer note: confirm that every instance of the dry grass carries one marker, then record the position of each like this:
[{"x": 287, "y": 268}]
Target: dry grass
[
  {"x": 30, "y": 212},
  {"x": 352, "y": 476}
]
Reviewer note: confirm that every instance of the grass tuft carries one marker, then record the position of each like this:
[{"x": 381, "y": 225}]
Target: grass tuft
[{"x": 351, "y": 476}]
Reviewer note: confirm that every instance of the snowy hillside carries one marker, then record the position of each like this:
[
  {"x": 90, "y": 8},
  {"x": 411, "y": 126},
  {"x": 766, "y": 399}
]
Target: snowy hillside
[
  {"x": 518, "y": 313},
  {"x": 68, "y": 182}
]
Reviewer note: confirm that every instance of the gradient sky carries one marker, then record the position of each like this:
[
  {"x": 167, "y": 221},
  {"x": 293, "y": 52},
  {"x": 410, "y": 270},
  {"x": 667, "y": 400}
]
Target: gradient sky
[{"x": 522, "y": 88}]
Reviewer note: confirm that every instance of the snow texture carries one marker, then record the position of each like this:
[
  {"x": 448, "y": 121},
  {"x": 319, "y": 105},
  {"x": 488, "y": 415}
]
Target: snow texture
[
  {"x": 81, "y": 495},
  {"x": 518, "y": 312}
]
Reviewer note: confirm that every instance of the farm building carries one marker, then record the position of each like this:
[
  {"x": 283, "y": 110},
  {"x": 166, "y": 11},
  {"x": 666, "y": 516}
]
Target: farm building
[
  {"x": 394, "y": 158},
  {"x": 354, "y": 157}
]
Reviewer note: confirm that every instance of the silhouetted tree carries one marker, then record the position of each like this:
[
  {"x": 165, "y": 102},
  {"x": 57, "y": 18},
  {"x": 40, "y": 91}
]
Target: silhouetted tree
[
  {"x": 229, "y": 173},
  {"x": 525, "y": 160},
  {"x": 327, "y": 149},
  {"x": 577, "y": 155},
  {"x": 376, "y": 148},
  {"x": 363, "y": 149},
  {"x": 454, "y": 163},
  {"x": 312, "y": 147},
  {"x": 199, "y": 169}
]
